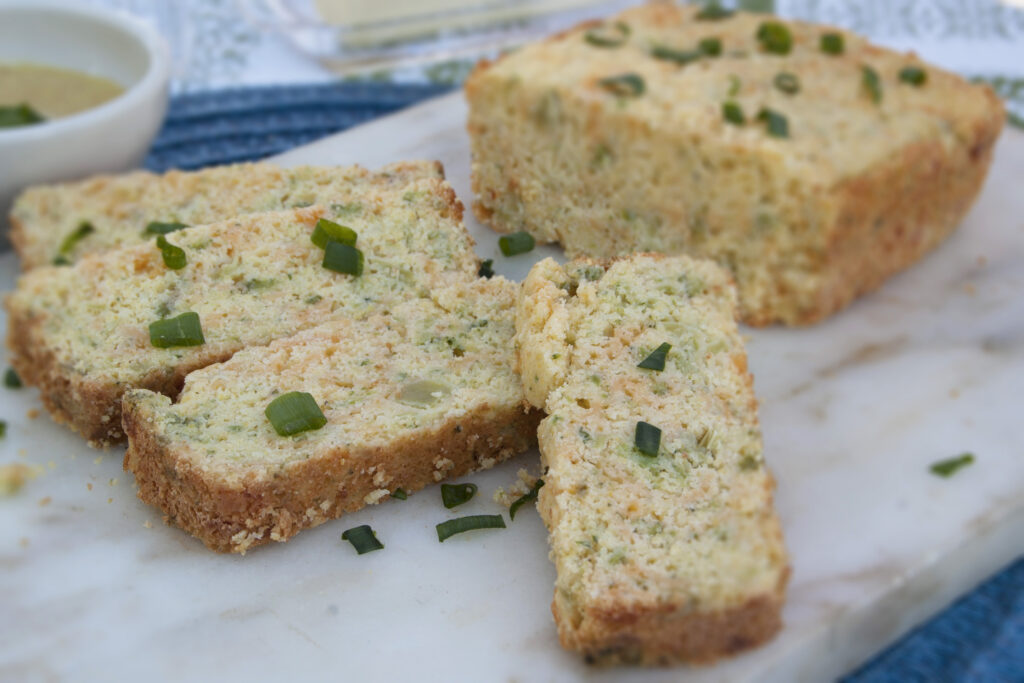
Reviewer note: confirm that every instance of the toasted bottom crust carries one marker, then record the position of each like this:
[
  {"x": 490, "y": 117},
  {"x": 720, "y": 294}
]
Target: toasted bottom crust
[
  {"x": 671, "y": 634},
  {"x": 91, "y": 407},
  {"x": 274, "y": 506}
]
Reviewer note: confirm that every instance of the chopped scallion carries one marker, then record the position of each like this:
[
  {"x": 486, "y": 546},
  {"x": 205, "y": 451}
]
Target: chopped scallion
[
  {"x": 913, "y": 75},
  {"x": 459, "y": 525},
  {"x": 832, "y": 43},
  {"x": 672, "y": 55},
  {"x": 294, "y": 412},
  {"x": 3, "y": 428},
  {"x": 777, "y": 124},
  {"x": 159, "y": 228},
  {"x": 19, "y": 115},
  {"x": 713, "y": 11},
  {"x": 608, "y": 37},
  {"x": 733, "y": 113},
  {"x": 174, "y": 257},
  {"x": 11, "y": 379},
  {"x": 83, "y": 230},
  {"x": 453, "y": 495},
  {"x": 950, "y": 466},
  {"x": 516, "y": 243},
  {"x": 712, "y": 47},
  {"x": 775, "y": 37},
  {"x": 400, "y": 494},
  {"x": 656, "y": 359},
  {"x": 362, "y": 539},
  {"x": 326, "y": 230},
  {"x": 343, "y": 258},
  {"x": 624, "y": 85},
  {"x": 647, "y": 439},
  {"x": 182, "y": 330},
  {"x": 530, "y": 495},
  {"x": 872, "y": 83},
  {"x": 486, "y": 268},
  {"x": 787, "y": 83}
]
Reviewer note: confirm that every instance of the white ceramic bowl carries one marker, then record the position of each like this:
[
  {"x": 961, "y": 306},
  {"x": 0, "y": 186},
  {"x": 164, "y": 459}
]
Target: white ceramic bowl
[{"x": 111, "y": 137}]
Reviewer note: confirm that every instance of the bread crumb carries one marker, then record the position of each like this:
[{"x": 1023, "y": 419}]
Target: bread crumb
[
  {"x": 954, "y": 393},
  {"x": 88, "y": 485},
  {"x": 441, "y": 467},
  {"x": 112, "y": 482},
  {"x": 374, "y": 496},
  {"x": 23, "y": 541},
  {"x": 16, "y": 475},
  {"x": 970, "y": 289},
  {"x": 518, "y": 489},
  {"x": 98, "y": 460},
  {"x": 32, "y": 414},
  {"x": 148, "y": 524},
  {"x": 43, "y": 502},
  {"x": 109, "y": 501}
]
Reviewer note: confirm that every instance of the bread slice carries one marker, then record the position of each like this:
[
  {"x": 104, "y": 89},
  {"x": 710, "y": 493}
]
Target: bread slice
[
  {"x": 413, "y": 395},
  {"x": 120, "y": 207},
  {"x": 675, "y": 556},
  {"x": 857, "y": 191},
  {"x": 81, "y": 333}
]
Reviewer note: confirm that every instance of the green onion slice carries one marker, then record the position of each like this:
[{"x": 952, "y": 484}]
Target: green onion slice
[
  {"x": 525, "y": 498},
  {"x": 159, "y": 228},
  {"x": 672, "y": 55},
  {"x": 174, "y": 257},
  {"x": 647, "y": 439},
  {"x": 400, "y": 494},
  {"x": 950, "y": 466},
  {"x": 516, "y": 243},
  {"x": 608, "y": 37},
  {"x": 19, "y": 115},
  {"x": 446, "y": 530},
  {"x": 913, "y": 75},
  {"x": 777, "y": 124},
  {"x": 787, "y": 83},
  {"x": 712, "y": 47},
  {"x": 294, "y": 413},
  {"x": 775, "y": 37},
  {"x": 453, "y": 495},
  {"x": 182, "y": 330},
  {"x": 872, "y": 83},
  {"x": 624, "y": 85},
  {"x": 3, "y": 428},
  {"x": 343, "y": 258},
  {"x": 362, "y": 539},
  {"x": 486, "y": 268},
  {"x": 11, "y": 379},
  {"x": 713, "y": 11},
  {"x": 326, "y": 230},
  {"x": 656, "y": 360},
  {"x": 84, "y": 229},
  {"x": 733, "y": 113},
  {"x": 832, "y": 43}
]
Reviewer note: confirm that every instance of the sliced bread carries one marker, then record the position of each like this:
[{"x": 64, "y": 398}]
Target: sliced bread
[
  {"x": 656, "y": 497},
  {"x": 47, "y": 221},
  {"x": 410, "y": 396}
]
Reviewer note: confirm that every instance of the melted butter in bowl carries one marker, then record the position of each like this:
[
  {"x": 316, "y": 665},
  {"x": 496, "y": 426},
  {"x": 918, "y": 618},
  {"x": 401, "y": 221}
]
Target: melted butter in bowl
[{"x": 52, "y": 92}]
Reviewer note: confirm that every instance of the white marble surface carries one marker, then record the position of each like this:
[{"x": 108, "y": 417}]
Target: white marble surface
[{"x": 95, "y": 587}]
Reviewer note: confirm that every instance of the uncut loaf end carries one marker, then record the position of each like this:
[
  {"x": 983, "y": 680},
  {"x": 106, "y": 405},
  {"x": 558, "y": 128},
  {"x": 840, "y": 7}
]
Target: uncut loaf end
[
  {"x": 831, "y": 171},
  {"x": 666, "y": 549},
  {"x": 81, "y": 333},
  {"x": 411, "y": 396}
]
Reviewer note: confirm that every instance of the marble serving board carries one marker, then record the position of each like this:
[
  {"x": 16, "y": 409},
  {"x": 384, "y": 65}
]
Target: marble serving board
[{"x": 95, "y": 587}]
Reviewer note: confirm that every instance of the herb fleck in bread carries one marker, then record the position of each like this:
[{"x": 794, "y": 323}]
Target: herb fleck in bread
[
  {"x": 422, "y": 392},
  {"x": 120, "y": 207},
  {"x": 660, "y": 558},
  {"x": 857, "y": 191},
  {"x": 80, "y": 333}
]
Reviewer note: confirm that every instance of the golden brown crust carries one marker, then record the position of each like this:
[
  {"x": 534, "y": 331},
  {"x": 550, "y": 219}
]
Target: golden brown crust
[
  {"x": 90, "y": 406},
  {"x": 305, "y": 494},
  {"x": 670, "y": 634},
  {"x": 17, "y": 235}
]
